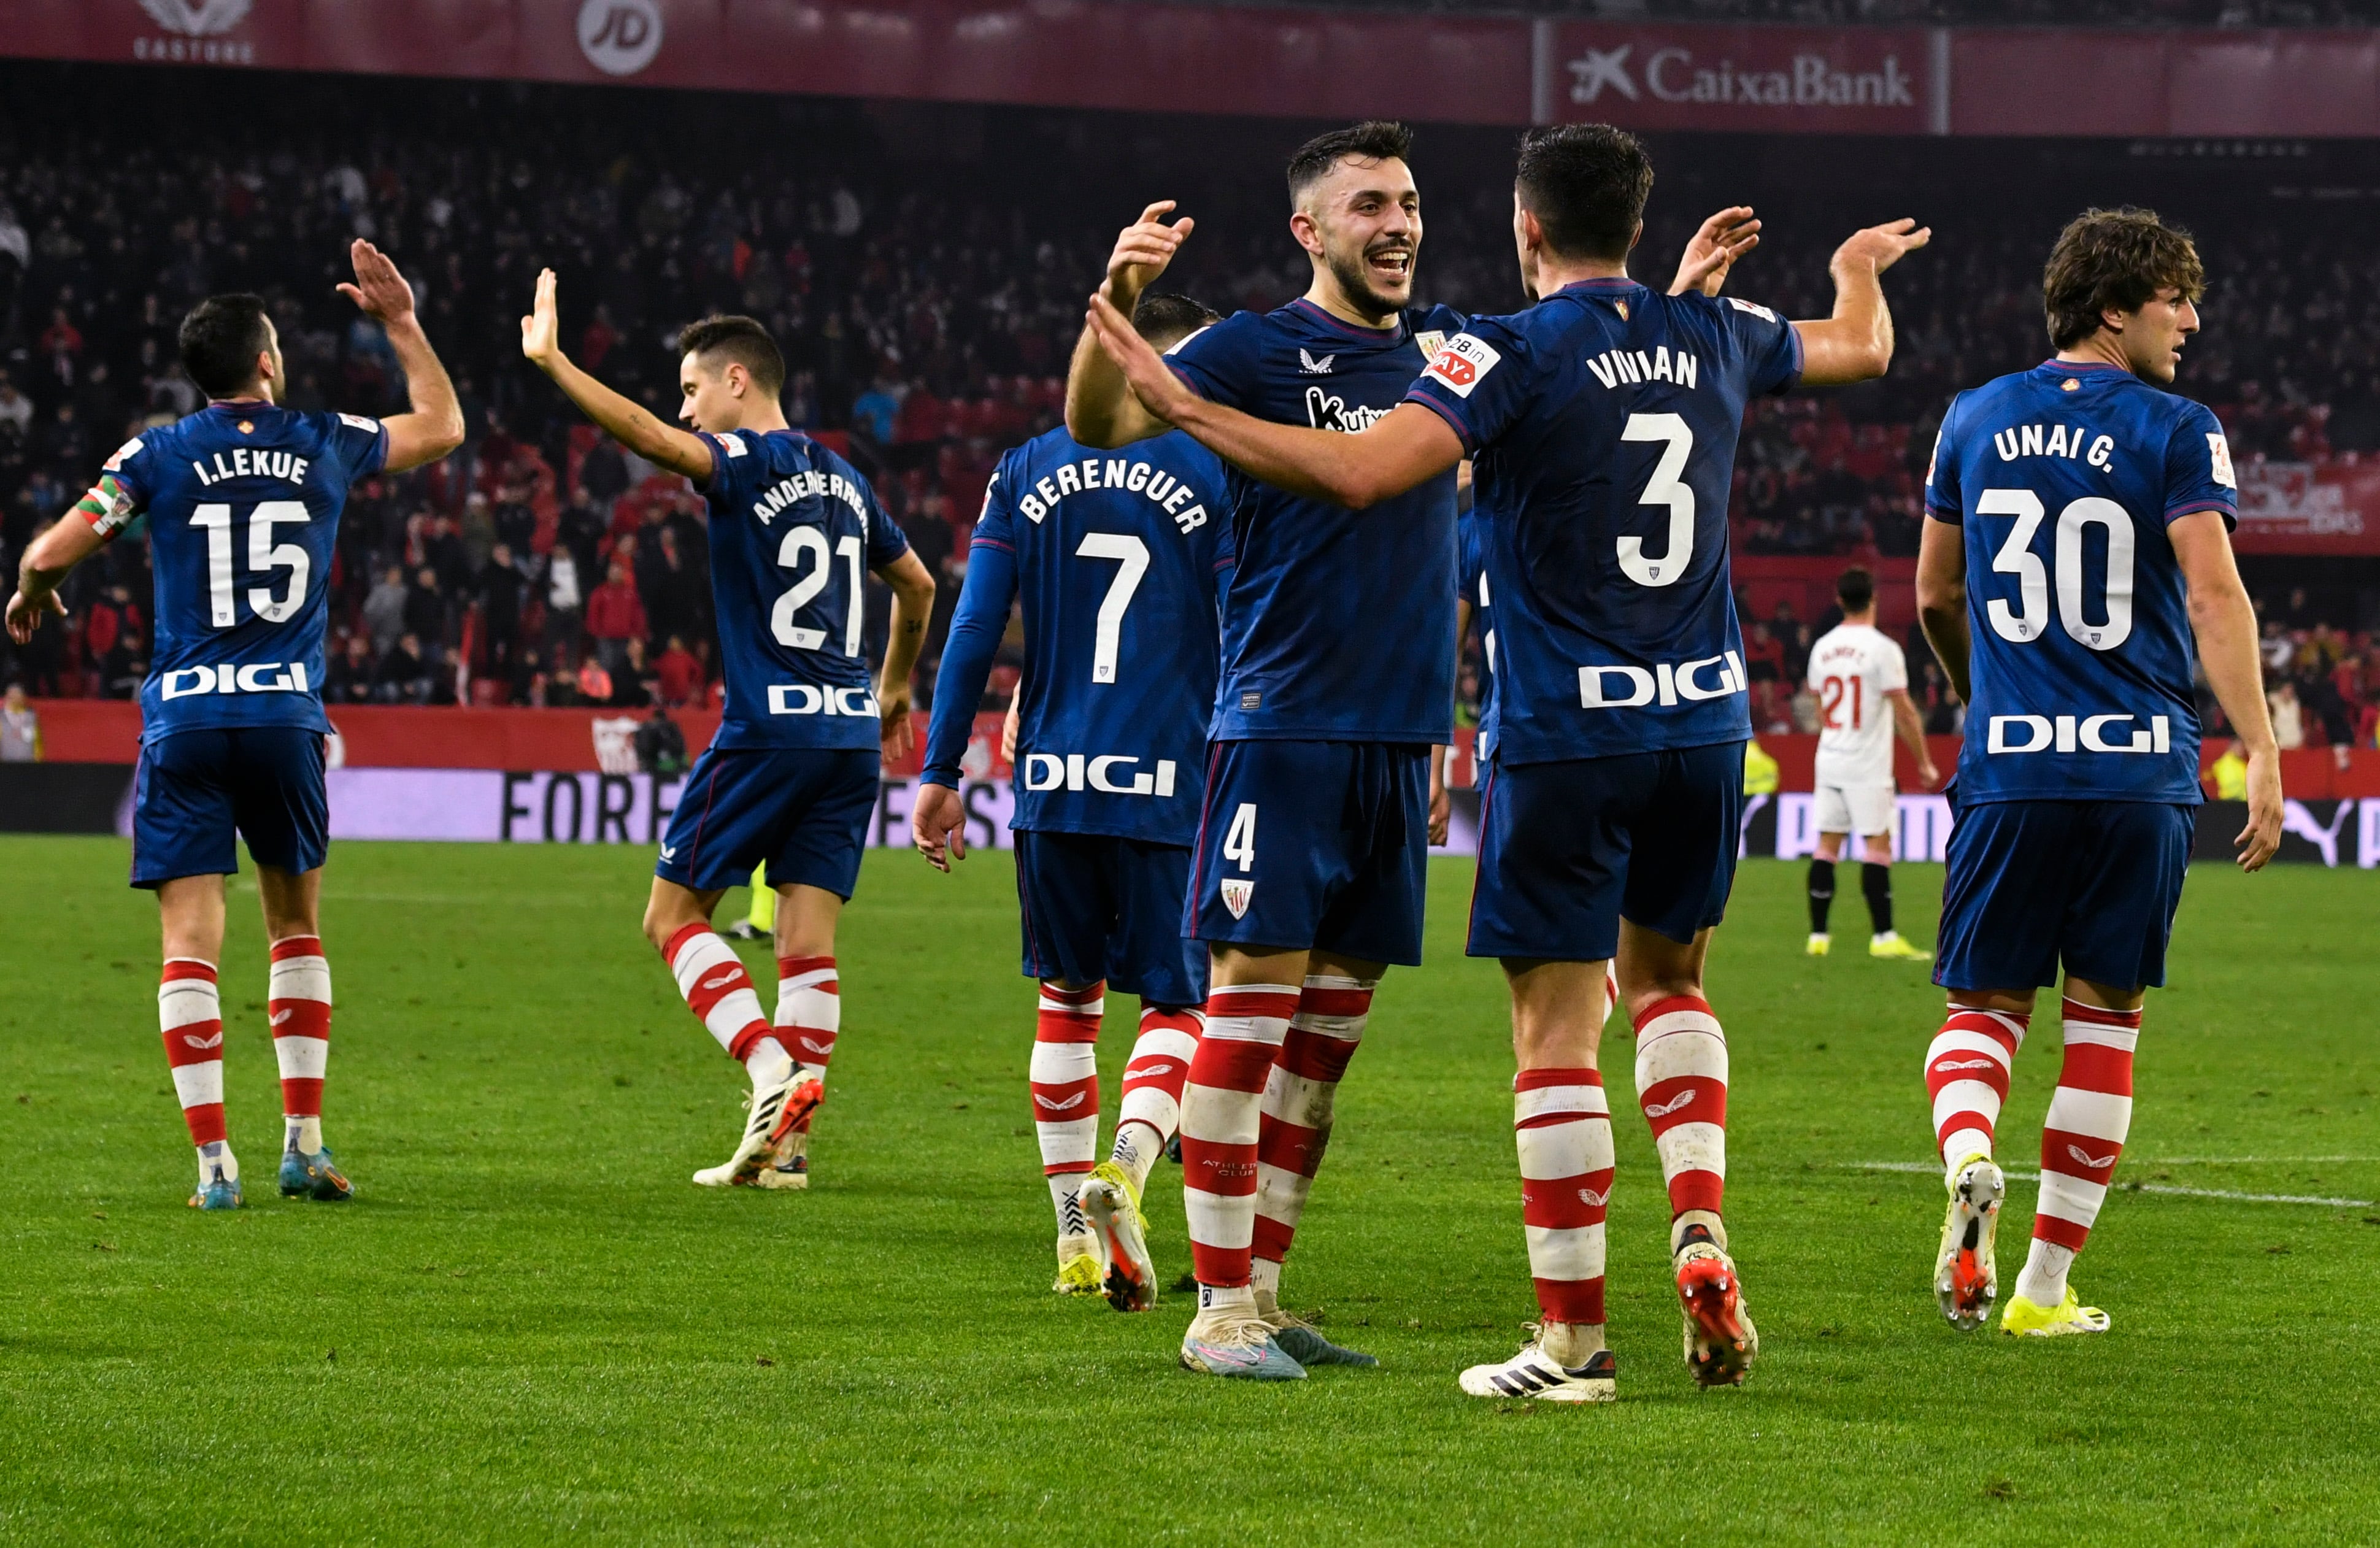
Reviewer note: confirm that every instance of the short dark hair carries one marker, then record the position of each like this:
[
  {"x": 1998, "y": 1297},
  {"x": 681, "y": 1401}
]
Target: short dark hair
[
  {"x": 1373, "y": 139},
  {"x": 1855, "y": 588},
  {"x": 2114, "y": 259},
  {"x": 1587, "y": 184},
  {"x": 744, "y": 341},
  {"x": 219, "y": 340},
  {"x": 1165, "y": 319}
]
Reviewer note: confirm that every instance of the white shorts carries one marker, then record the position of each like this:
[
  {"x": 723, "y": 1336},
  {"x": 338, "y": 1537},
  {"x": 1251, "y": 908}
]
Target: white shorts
[{"x": 1863, "y": 809}]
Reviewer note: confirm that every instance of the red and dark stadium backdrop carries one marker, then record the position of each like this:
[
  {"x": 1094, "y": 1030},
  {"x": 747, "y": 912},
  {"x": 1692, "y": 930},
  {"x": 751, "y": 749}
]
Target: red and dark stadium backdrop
[{"x": 1279, "y": 62}]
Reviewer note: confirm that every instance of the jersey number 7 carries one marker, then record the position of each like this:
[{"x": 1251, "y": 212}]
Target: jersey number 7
[{"x": 1133, "y": 555}]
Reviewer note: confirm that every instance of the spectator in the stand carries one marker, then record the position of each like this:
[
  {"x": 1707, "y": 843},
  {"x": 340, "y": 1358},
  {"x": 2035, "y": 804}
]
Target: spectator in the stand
[
  {"x": 500, "y": 587},
  {"x": 673, "y": 591},
  {"x": 528, "y": 677},
  {"x": 615, "y": 615},
  {"x": 678, "y": 675},
  {"x": 385, "y": 610},
  {"x": 515, "y": 520},
  {"x": 426, "y": 613},
  {"x": 604, "y": 473},
  {"x": 874, "y": 414},
  {"x": 350, "y": 676},
  {"x": 402, "y": 676},
  {"x": 565, "y": 602},
  {"x": 21, "y": 728},
  {"x": 594, "y": 682},
  {"x": 634, "y": 685},
  {"x": 582, "y": 528},
  {"x": 16, "y": 409},
  {"x": 2289, "y": 715}
]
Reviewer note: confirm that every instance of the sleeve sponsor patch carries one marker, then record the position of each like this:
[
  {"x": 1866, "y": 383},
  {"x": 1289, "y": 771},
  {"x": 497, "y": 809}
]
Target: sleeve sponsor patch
[
  {"x": 1753, "y": 307},
  {"x": 2218, "y": 452},
  {"x": 733, "y": 442},
  {"x": 358, "y": 421},
  {"x": 1463, "y": 362},
  {"x": 123, "y": 453}
]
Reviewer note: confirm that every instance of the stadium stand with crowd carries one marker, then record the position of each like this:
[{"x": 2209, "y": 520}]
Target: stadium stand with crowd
[{"x": 926, "y": 291}]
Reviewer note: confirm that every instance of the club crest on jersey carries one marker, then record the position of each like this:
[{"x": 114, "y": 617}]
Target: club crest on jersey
[
  {"x": 1463, "y": 362},
  {"x": 1237, "y": 891},
  {"x": 1430, "y": 341},
  {"x": 1313, "y": 367},
  {"x": 1620, "y": 305}
]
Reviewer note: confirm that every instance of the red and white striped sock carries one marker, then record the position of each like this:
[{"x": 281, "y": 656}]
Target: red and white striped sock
[
  {"x": 1682, "y": 1086},
  {"x": 1065, "y": 1078},
  {"x": 810, "y": 1016},
  {"x": 720, "y": 992},
  {"x": 1223, "y": 1106},
  {"x": 1967, "y": 1079},
  {"x": 1151, "y": 1110},
  {"x": 2089, "y": 1116},
  {"x": 1562, "y": 1126},
  {"x": 1299, "y": 1097},
  {"x": 298, "y": 1004},
  {"x": 189, "y": 1017}
]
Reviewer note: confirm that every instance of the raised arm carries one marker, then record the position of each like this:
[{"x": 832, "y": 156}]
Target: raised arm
[
  {"x": 435, "y": 425},
  {"x": 1100, "y": 409},
  {"x": 2224, "y": 621},
  {"x": 1722, "y": 239},
  {"x": 913, "y": 607},
  {"x": 1855, "y": 344},
  {"x": 1410, "y": 443},
  {"x": 628, "y": 422},
  {"x": 1942, "y": 598}
]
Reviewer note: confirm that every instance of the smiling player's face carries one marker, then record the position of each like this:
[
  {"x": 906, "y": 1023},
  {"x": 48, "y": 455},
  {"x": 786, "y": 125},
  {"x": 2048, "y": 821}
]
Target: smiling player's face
[
  {"x": 2153, "y": 335},
  {"x": 1366, "y": 217}
]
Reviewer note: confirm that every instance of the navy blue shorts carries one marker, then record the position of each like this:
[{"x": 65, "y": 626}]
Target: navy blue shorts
[
  {"x": 1567, "y": 850},
  {"x": 1098, "y": 906},
  {"x": 195, "y": 790},
  {"x": 1314, "y": 846},
  {"x": 2092, "y": 884},
  {"x": 804, "y": 810}
]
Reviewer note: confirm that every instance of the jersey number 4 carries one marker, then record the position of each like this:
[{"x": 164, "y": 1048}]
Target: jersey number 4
[
  {"x": 264, "y": 556},
  {"x": 807, "y": 544},
  {"x": 2016, "y": 557}
]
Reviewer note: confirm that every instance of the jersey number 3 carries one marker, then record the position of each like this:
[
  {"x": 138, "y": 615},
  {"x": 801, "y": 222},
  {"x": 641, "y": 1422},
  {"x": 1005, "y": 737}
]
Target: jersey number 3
[{"x": 1664, "y": 488}]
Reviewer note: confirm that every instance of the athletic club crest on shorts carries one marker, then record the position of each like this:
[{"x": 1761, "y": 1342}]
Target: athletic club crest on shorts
[{"x": 1237, "y": 890}]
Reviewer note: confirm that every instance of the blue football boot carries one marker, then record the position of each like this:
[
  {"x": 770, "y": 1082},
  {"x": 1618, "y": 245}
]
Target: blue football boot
[{"x": 313, "y": 1176}]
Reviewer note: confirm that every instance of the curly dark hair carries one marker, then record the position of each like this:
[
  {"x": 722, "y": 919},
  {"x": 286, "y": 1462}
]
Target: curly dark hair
[
  {"x": 2114, "y": 259},
  {"x": 1373, "y": 139}
]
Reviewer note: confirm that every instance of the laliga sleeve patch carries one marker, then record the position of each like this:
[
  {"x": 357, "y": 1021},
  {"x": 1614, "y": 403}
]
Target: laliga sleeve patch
[
  {"x": 2218, "y": 452},
  {"x": 123, "y": 453},
  {"x": 733, "y": 442},
  {"x": 1463, "y": 362},
  {"x": 1753, "y": 307},
  {"x": 358, "y": 422}
]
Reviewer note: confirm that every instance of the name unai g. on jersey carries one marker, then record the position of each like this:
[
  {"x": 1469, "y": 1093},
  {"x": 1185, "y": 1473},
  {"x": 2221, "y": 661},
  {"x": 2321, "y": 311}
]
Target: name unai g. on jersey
[{"x": 2064, "y": 479}]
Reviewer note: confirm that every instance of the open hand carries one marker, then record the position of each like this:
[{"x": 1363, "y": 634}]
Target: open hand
[
  {"x": 1142, "y": 252},
  {"x": 1152, "y": 381},
  {"x": 540, "y": 329},
  {"x": 25, "y": 614},
  {"x": 1883, "y": 245},
  {"x": 379, "y": 288},
  {"x": 1724, "y": 237},
  {"x": 938, "y": 825}
]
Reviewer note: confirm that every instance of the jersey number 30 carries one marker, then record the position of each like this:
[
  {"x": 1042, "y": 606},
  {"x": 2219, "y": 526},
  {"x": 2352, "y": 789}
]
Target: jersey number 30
[
  {"x": 2016, "y": 557},
  {"x": 264, "y": 556}
]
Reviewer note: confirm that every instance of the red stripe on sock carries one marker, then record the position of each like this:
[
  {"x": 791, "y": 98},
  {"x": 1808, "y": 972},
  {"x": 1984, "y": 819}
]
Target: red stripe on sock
[
  {"x": 301, "y": 1096},
  {"x": 1225, "y": 1268},
  {"x": 1675, "y": 1003},
  {"x": 1231, "y": 1064},
  {"x": 740, "y": 1048},
  {"x": 1696, "y": 1190},
  {"x": 1226, "y": 1170},
  {"x": 1316, "y": 1055},
  {"x": 2075, "y": 1010},
  {"x": 1538, "y": 1080},
  {"x": 181, "y": 968},
  {"x": 194, "y": 1042},
  {"x": 2094, "y": 1067},
  {"x": 1685, "y": 1099},
  {"x": 206, "y": 1122},
  {"x": 1265, "y": 1005},
  {"x": 2059, "y": 1233},
  {"x": 677, "y": 942},
  {"x": 1571, "y": 1301},
  {"x": 1292, "y": 1147},
  {"x": 1566, "y": 1204},
  {"x": 1272, "y": 1239},
  {"x": 1334, "y": 1001},
  {"x": 297, "y": 945}
]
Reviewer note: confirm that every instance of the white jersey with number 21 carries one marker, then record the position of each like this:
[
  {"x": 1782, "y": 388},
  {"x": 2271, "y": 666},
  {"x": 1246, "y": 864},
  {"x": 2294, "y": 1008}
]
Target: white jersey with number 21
[{"x": 1852, "y": 668}]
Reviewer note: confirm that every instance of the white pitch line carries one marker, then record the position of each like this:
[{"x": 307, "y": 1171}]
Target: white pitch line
[
  {"x": 2166, "y": 1189},
  {"x": 2251, "y": 1160}
]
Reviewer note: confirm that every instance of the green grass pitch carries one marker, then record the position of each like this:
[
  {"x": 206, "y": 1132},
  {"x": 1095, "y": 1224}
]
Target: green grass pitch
[{"x": 530, "y": 1326}]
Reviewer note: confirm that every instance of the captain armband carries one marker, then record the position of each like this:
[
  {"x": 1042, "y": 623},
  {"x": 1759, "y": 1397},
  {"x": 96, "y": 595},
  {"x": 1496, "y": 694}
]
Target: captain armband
[{"x": 108, "y": 507}]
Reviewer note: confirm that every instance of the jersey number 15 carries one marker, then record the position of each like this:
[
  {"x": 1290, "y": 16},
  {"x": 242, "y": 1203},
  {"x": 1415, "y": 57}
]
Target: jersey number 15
[{"x": 264, "y": 556}]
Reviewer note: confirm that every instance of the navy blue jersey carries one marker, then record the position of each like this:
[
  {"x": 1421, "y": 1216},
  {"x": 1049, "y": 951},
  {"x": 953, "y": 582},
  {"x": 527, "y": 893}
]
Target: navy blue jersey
[
  {"x": 1471, "y": 531},
  {"x": 243, "y": 501},
  {"x": 2063, "y": 479},
  {"x": 794, "y": 530},
  {"x": 1602, "y": 425},
  {"x": 1339, "y": 625},
  {"x": 1119, "y": 555}
]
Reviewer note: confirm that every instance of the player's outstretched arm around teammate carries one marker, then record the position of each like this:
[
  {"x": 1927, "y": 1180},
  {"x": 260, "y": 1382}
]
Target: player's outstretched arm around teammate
[
  {"x": 628, "y": 422},
  {"x": 1101, "y": 410}
]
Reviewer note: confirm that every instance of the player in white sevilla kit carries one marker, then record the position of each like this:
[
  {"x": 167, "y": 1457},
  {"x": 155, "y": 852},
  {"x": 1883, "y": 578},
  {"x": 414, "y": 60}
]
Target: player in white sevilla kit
[{"x": 1862, "y": 681}]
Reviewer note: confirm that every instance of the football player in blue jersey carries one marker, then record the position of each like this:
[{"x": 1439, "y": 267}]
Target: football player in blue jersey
[
  {"x": 792, "y": 777},
  {"x": 1602, "y": 424},
  {"x": 243, "y": 500},
  {"x": 1119, "y": 559},
  {"x": 1337, "y": 678},
  {"x": 2078, "y": 548}
]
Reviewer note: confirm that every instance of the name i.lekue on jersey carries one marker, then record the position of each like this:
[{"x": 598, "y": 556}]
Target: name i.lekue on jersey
[{"x": 1135, "y": 478}]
